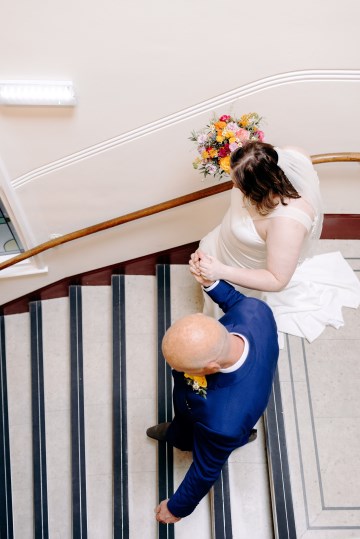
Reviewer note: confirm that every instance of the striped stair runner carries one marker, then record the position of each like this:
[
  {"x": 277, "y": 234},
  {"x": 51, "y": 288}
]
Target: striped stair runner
[{"x": 78, "y": 388}]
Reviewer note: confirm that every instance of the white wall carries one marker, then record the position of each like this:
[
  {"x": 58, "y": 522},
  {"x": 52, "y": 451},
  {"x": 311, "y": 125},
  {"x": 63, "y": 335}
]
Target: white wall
[{"x": 146, "y": 75}]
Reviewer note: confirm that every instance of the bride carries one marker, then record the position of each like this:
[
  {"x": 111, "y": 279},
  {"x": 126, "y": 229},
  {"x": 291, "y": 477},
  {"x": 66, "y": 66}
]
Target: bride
[{"x": 266, "y": 241}]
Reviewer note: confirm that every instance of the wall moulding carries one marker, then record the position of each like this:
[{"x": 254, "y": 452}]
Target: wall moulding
[{"x": 261, "y": 85}]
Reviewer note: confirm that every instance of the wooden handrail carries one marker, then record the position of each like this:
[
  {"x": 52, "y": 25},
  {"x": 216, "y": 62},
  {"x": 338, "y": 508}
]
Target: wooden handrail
[{"x": 157, "y": 208}]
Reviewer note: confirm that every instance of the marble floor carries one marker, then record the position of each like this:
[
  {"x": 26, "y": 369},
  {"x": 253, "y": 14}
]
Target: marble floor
[
  {"x": 321, "y": 403},
  {"x": 320, "y": 395}
]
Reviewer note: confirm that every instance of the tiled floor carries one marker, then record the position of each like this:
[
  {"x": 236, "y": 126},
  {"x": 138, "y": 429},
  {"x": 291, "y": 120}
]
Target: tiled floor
[
  {"x": 321, "y": 402},
  {"x": 321, "y": 399}
]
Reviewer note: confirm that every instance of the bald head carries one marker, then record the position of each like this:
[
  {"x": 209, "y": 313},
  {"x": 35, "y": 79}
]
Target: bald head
[{"x": 193, "y": 342}]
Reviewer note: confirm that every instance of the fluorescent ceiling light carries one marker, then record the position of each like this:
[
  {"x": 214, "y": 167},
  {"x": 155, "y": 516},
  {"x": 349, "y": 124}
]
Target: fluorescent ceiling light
[{"x": 37, "y": 93}]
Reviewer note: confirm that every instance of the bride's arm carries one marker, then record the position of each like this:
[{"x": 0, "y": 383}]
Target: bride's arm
[{"x": 284, "y": 241}]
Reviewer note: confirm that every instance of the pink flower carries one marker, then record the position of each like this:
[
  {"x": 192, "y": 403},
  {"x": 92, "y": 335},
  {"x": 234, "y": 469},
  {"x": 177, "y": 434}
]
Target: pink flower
[
  {"x": 224, "y": 118},
  {"x": 242, "y": 134},
  {"x": 260, "y": 135},
  {"x": 233, "y": 146}
]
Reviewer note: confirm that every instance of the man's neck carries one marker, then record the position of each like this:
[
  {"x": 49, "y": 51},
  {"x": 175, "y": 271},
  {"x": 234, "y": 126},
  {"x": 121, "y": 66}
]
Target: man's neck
[{"x": 236, "y": 348}]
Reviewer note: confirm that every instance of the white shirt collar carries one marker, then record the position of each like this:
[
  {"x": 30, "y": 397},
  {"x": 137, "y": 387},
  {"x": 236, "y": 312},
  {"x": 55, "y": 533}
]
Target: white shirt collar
[{"x": 242, "y": 358}]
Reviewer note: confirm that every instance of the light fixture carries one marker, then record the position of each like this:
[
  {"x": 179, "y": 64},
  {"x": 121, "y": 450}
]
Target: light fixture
[{"x": 37, "y": 93}]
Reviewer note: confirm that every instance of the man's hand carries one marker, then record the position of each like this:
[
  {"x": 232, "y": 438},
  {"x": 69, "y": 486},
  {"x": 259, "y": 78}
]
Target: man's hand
[
  {"x": 194, "y": 266},
  {"x": 211, "y": 269},
  {"x": 163, "y": 515}
]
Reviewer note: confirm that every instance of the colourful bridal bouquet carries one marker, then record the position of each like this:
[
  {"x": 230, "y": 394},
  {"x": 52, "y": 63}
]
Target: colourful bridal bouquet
[{"x": 221, "y": 137}]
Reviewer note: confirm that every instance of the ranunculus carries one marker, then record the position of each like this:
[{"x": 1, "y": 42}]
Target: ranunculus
[
  {"x": 224, "y": 151},
  {"x": 219, "y": 138},
  {"x": 224, "y": 118},
  {"x": 233, "y": 146},
  {"x": 220, "y": 124},
  {"x": 243, "y": 134},
  {"x": 261, "y": 135},
  {"x": 225, "y": 164}
]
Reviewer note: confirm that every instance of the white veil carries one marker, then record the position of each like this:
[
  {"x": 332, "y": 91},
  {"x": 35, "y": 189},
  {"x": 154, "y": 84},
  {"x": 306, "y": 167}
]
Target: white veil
[{"x": 302, "y": 175}]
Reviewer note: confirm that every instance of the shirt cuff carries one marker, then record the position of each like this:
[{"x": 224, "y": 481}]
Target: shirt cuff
[{"x": 208, "y": 288}]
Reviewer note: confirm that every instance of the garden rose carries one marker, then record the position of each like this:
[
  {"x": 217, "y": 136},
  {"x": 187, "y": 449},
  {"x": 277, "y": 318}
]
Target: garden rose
[{"x": 243, "y": 134}]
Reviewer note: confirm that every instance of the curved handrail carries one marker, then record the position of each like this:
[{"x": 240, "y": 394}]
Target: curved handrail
[{"x": 157, "y": 208}]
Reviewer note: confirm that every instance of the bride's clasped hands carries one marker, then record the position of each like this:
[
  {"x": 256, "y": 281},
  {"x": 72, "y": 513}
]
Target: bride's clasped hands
[{"x": 206, "y": 266}]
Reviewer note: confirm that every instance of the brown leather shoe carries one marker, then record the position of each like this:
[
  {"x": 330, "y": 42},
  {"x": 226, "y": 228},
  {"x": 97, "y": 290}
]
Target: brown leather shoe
[
  {"x": 158, "y": 432},
  {"x": 253, "y": 435}
]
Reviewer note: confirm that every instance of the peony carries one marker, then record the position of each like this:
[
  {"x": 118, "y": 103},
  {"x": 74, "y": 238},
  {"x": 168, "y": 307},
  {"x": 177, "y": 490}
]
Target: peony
[{"x": 243, "y": 134}]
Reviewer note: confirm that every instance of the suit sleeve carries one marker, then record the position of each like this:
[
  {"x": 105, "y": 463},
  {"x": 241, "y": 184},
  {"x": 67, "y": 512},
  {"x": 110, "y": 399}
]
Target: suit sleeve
[
  {"x": 210, "y": 452},
  {"x": 225, "y": 295}
]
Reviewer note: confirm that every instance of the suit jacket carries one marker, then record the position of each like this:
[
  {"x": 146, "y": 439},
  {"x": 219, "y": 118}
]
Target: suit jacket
[{"x": 214, "y": 426}]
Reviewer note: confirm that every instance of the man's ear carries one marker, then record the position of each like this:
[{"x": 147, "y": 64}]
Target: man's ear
[{"x": 212, "y": 368}]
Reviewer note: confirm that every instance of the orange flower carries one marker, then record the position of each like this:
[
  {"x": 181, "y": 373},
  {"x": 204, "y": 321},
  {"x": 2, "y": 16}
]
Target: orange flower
[{"x": 220, "y": 125}]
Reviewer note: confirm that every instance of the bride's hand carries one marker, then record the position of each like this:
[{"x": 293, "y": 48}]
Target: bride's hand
[
  {"x": 194, "y": 264},
  {"x": 210, "y": 267}
]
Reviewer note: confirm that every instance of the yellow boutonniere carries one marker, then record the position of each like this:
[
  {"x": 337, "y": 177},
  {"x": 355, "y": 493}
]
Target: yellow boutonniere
[{"x": 197, "y": 383}]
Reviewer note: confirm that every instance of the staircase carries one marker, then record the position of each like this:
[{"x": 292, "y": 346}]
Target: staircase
[{"x": 82, "y": 377}]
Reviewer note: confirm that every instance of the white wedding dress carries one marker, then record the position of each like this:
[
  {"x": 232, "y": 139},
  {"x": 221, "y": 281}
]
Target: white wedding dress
[{"x": 321, "y": 285}]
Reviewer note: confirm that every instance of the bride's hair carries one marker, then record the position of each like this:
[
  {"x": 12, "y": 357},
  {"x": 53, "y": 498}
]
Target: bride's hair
[{"x": 254, "y": 170}]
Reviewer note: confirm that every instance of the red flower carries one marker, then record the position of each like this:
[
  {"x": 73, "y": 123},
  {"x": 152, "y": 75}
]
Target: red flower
[
  {"x": 224, "y": 151},
  {"x": 224, "y": 118}
]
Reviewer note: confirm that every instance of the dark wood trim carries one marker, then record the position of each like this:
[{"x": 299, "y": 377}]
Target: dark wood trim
[
  {"x": 341, "y": 227},
  {"x": 157, "y": 208},
  {"x": 336, "y": 226}
]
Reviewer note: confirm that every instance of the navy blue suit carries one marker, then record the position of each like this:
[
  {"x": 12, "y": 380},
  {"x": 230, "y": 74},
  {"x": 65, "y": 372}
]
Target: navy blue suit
[{"x": 213, "y": 427}]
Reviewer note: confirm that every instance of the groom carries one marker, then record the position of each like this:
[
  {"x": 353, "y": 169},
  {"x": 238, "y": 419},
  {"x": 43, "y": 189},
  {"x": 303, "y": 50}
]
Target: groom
[{"x": 223, "y": 372}]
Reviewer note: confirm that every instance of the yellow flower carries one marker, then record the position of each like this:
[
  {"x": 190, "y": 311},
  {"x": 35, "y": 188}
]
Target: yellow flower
[
  {"x": 232, "y": 139},
  {"x": 204, "y": 154},
  {"x": 197, "y": 384},
  {"x": 225, "y": 164},
  {"x": 244, "y": 120},
  {"x": 219, "y": 138},
  {"x": 229, "y": 134},
  {"x": 200, "y": 380},
  {"x": 213, "y": 152}
]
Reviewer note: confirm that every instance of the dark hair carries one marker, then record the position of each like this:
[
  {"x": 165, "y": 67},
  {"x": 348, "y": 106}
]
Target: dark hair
[{"x": 254, "y": 170}]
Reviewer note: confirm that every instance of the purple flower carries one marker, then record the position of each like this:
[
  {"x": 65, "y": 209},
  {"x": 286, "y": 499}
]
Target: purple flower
[
  {"x": 232, "y": 126},
  {"x": 202, "y": 138},
  {"x": 210, "y": 168}
]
